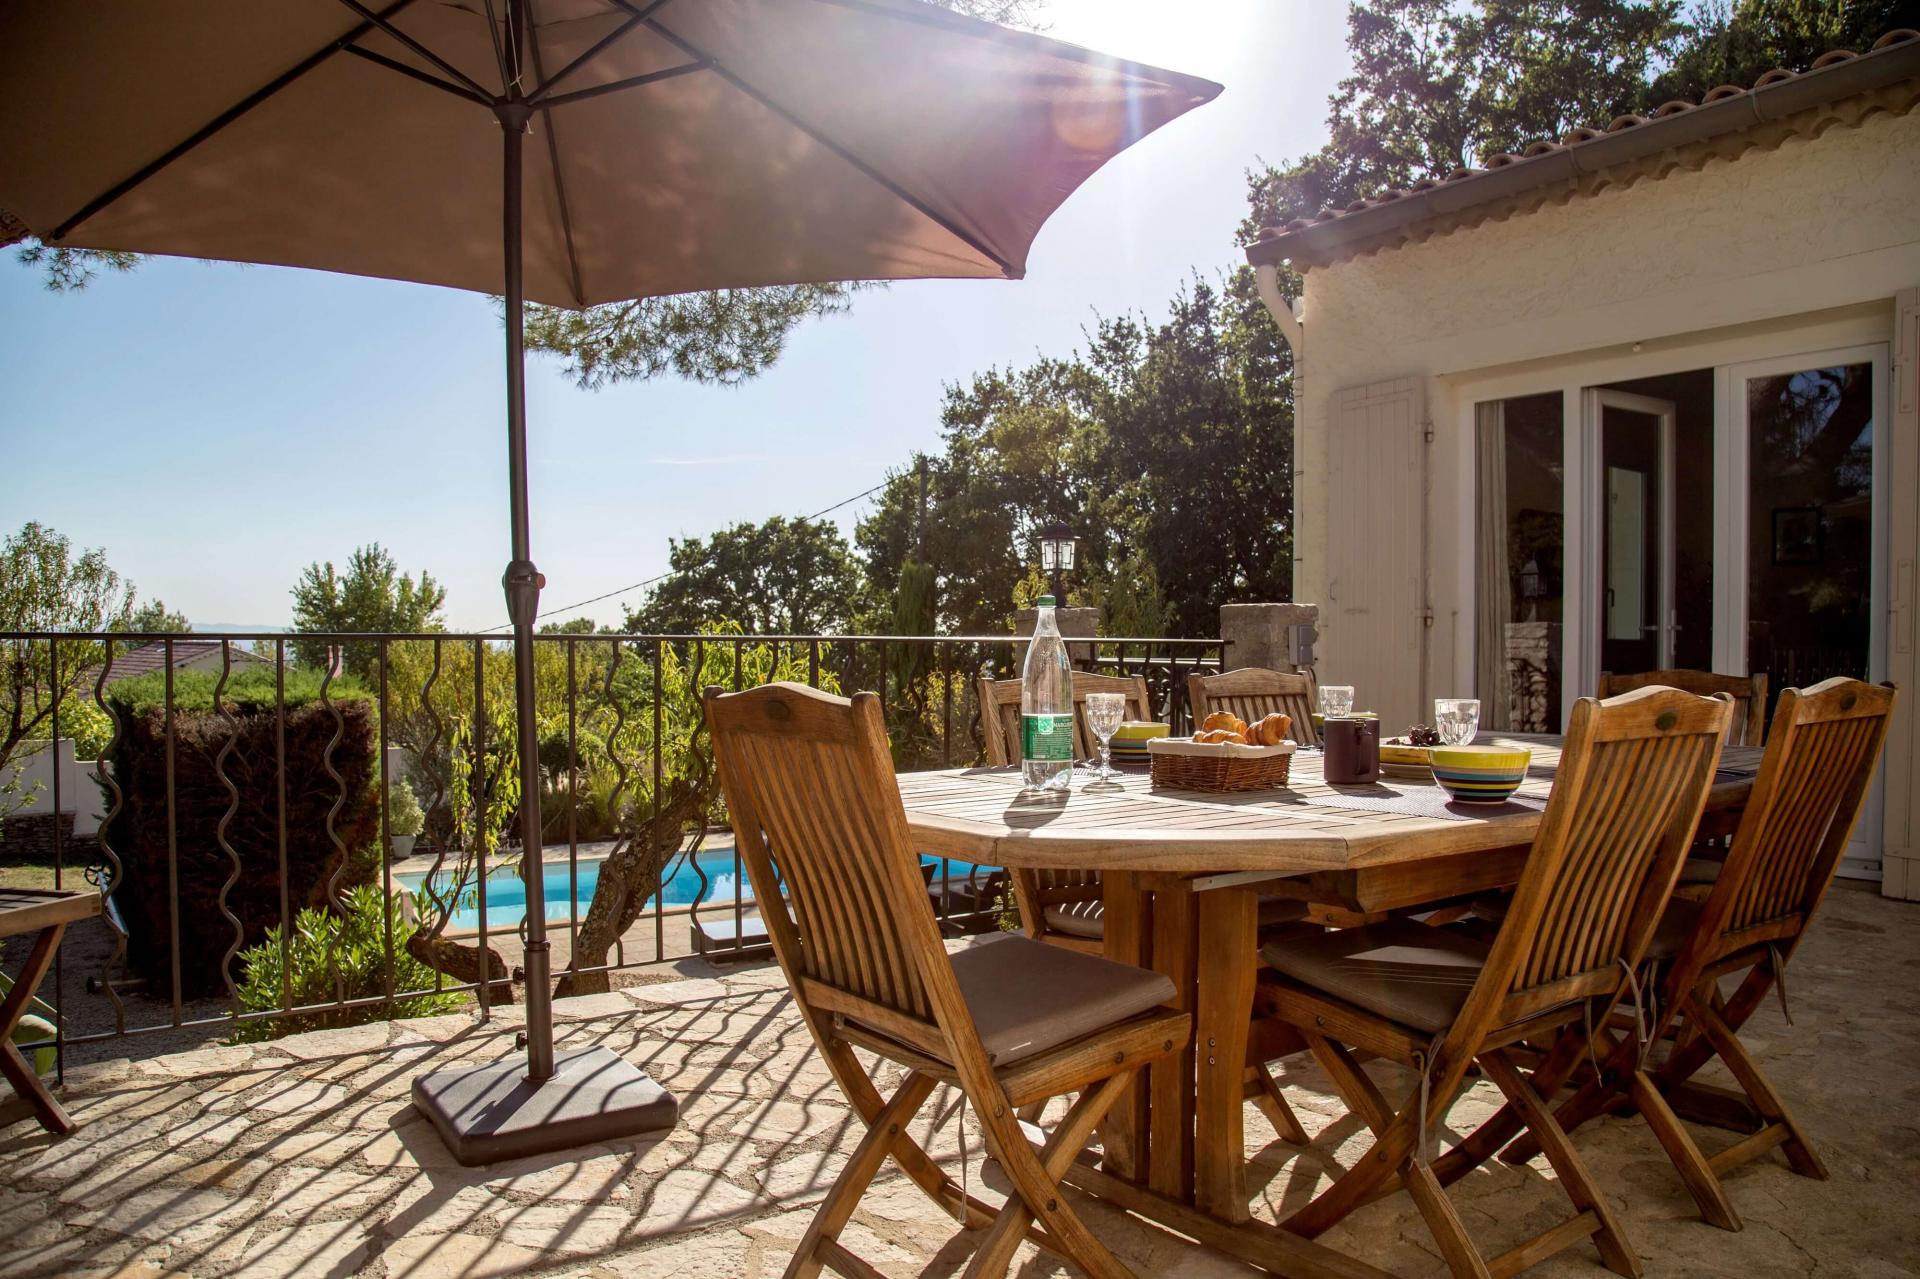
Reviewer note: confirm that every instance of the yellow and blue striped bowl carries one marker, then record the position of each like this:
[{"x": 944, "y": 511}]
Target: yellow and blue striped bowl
[
  {"x": 1130, "y": 741},
  {"x": 1480, "y": 774}
]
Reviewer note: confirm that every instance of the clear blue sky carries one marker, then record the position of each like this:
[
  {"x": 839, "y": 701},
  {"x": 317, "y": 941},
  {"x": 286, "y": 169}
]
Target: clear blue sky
[{"x": 217, "y": 428}]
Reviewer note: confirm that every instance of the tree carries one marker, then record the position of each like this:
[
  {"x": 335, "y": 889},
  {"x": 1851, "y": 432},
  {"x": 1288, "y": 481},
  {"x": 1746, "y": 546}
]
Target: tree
[
  {"x": 1438, "y": 86},
  {"x": 154, "y": 617},
  {"x": 371, "y": 596},
  {"x": 44, "y": 586},
  {"x": 783, "y": 576},
  {"x": 1167, "y": 447}
]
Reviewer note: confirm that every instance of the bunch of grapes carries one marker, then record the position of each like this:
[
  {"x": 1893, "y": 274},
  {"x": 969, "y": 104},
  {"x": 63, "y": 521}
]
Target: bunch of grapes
[{"x": 1423, "y": 735}]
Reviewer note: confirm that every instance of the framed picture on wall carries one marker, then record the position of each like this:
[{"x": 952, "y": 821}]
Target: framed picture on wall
[{"x": 1799, "y": 535}]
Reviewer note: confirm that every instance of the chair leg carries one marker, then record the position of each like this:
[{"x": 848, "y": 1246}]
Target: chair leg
[
  {"x": 1394, "y": 1140},
  {"x": 1591, "y": 1099},
  {"x": 915, "y": 1162},
  {"x": 1505, "y": 1125},
  {"x": 837, "y": 1208},
  {"x": 1037, "y": 1193},
  {"x": 1726, "y": 1042},
  {"x": 1578, "y": 1184},
  {"x": 1695, "y": 1172},
  {"x": 1273, "y": 1104}
]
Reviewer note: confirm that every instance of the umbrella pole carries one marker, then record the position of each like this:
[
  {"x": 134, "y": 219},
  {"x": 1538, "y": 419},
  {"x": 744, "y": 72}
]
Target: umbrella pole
[
  {"x": 522, "y": 583},
  {"x": 584, "y": 1095}
]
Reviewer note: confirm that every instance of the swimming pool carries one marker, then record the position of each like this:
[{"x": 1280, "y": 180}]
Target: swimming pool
[{"x": 507, "y": 899}]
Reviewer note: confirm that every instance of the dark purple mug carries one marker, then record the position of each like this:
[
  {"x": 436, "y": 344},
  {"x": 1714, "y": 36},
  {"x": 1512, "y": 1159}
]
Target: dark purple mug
[{"x": 1351, "y": 746}]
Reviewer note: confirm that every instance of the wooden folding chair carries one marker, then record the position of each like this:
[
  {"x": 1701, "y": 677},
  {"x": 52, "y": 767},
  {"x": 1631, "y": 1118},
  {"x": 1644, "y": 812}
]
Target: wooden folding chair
[
  {"x": 1060, "y": 907},
  {"x": 1633, "y": 779},
  {"x": 1821, "y": 755},
  {"x": 1254, "y": 692},
  {"x": 1749, "y": 694},
  {"x": 816, "y": 811}
]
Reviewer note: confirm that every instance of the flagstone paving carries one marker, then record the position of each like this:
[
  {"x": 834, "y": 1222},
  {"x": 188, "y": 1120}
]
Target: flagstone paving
[{"x": 303, "y": 1157}]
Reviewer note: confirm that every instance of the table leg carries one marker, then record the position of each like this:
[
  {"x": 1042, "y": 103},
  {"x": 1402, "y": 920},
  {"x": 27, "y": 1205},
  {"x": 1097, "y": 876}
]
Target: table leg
[
  {"x": 15, "y": 1067},
  {"x": 1125, "y": 915},
  {"x": 1228, "y": 927},
  {"x": 1170, "y": 1082}
]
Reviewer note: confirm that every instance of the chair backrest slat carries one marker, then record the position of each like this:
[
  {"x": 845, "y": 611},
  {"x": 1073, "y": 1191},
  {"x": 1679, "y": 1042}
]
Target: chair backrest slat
[
  {"x": 816, "y": 811},
  {"x": 1821, "y": 756},
  {"x": 1000, "y": 712},
  {"x": 1253, "y": 693},
  {"x": 1749, "y": 694}
]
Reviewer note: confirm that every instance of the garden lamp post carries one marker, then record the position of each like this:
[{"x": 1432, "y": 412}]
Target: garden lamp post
[{"x": 1057, "y": 550}]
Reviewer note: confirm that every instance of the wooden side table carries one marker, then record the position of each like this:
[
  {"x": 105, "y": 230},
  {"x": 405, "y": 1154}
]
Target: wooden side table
[{"x": 45, "y": 912}]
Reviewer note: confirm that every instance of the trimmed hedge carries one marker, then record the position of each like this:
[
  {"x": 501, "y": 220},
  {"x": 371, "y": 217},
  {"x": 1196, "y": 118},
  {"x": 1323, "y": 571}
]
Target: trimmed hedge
[{"x": 139, "y": 835}]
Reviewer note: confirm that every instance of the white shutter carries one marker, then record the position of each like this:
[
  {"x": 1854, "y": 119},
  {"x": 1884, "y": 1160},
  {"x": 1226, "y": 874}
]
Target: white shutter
[{"x": 1375, "y": 614}]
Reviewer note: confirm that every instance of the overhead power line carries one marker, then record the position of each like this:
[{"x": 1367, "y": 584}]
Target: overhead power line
[{"x": 661, "y": 577}]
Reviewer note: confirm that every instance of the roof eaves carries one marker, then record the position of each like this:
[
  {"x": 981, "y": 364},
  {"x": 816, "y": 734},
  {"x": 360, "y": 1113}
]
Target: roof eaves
[{"x": 1725, "y": 111}]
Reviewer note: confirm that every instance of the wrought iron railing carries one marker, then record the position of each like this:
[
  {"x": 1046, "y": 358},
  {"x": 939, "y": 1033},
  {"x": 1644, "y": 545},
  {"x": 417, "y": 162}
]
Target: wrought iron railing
[{"x": 243, "y": 777}]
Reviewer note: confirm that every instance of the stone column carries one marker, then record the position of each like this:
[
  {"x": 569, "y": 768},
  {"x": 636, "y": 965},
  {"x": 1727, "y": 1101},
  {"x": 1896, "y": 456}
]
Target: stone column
[{"x": 1277, "y": 636}]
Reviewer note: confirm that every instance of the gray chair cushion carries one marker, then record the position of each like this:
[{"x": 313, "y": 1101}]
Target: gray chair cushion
[
  {"x": 1404, "y": 971},
  {"x": 1085, "y": 919},
  {"x": 1027, "y": 996},
  {"x": 1077, "y": 919}
]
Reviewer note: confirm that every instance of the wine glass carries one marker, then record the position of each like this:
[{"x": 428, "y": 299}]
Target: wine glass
[
  {"x": 1457, "y": 719},
  {"x": 1336, "y": 700},
  {"x": 1105, "y": 711}
]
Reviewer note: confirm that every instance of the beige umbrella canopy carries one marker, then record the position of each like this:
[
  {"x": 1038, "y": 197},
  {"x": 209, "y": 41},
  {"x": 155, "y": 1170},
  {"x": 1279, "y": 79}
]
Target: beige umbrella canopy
[
  {"x": 572, "y": 152},
  {"x": 676, "y": 146}
]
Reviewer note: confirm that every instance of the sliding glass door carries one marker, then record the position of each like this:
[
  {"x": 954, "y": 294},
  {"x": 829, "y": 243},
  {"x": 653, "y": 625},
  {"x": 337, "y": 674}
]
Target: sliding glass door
[{"x": 1803, "y": 533}]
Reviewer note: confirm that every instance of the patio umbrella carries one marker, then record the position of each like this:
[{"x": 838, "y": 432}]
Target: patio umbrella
[{"x": 566, "y": 151}]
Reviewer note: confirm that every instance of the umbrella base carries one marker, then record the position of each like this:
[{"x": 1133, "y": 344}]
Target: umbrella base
[{"x": 489, "y": 1113}]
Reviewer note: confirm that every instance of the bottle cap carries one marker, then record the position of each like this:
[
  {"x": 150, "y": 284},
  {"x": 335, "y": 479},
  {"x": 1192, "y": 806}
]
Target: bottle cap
[{"x": 1045, "y": 601}]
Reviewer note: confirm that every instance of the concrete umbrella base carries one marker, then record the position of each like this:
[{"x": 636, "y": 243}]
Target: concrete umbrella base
[{"x": 489, "y": 1113}]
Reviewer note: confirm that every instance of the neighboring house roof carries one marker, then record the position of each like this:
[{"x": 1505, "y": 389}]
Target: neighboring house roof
[
  {"x": 151, "y": 657},
  {"x": 1841, "y": 86}
]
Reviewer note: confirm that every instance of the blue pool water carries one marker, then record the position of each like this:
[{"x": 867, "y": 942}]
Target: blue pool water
[{"x": 507, "y": 896}]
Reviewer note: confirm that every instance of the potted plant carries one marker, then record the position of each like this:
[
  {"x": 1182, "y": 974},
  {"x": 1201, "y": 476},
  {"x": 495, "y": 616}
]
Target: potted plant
[{"x": 405, "y": 821}]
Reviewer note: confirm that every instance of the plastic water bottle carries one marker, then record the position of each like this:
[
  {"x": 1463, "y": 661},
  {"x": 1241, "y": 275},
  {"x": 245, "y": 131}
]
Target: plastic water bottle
[{"x": 1046, "y": 707}]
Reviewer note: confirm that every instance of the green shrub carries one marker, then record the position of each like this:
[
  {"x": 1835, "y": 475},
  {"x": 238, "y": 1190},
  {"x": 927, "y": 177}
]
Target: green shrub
[
  {"x": 356, "y": 944},
  {"x": 403, "y": 810},
  {"x": 158, "y": 850}
]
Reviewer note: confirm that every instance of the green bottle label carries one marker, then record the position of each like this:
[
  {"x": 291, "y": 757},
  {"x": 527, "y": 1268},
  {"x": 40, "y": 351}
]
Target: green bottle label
[{"x": 1046, "y": 737}]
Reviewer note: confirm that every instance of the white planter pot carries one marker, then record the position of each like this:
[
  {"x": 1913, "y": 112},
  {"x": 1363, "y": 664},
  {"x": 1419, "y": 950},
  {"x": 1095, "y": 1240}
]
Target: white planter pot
[{"x": 402, "y": 846}]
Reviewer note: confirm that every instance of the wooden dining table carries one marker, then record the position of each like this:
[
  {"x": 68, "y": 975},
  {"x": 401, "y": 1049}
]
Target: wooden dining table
[{"x": 1182, "y": 875}]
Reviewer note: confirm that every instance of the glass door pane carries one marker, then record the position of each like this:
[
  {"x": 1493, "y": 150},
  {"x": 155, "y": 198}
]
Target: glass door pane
[
  {"x": 1811, "y": 526},
  {"x": 1520, "y": 540},
  {"x": 1636, "y": 536}
]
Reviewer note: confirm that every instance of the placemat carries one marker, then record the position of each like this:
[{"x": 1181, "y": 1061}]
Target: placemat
[{"x": 1426, "y": 799}]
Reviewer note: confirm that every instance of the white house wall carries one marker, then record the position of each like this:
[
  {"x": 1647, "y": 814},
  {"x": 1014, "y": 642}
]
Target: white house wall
[{"x": 1804, "y": 246}]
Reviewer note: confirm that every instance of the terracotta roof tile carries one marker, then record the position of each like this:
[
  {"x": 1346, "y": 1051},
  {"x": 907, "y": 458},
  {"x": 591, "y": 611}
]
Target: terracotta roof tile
[{"x": 1582, "y": 136}]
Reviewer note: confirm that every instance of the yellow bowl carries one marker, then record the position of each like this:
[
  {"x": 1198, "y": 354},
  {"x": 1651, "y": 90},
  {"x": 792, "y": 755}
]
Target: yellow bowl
[{"x": 1140, "y": 730}]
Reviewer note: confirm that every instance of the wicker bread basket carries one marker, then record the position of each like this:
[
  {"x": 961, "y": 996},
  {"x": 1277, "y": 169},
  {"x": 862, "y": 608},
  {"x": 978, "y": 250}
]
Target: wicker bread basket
[{"x": 1180, "y": 763}]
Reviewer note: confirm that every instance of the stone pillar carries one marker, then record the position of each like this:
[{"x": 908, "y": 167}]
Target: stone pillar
[
  {"x": 1277, "y": 636},
  {"x": 1073, "y": 622}
]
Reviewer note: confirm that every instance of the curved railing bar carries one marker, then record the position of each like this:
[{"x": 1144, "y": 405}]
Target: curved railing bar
[
  {"x": 443, "y": 907},
  {"x": 620, "y": 772},
  {"x": 333, "y": 832},
  {"x": 113, "y": 871},
  {"x": 226, "y": 820}
]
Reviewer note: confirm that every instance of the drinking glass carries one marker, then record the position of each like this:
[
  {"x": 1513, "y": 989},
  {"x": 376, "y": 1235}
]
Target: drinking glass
[
  {"x": 1336, "y": 700},
  {"x": 1457, "y": 719},
  {"x": 1105, "y": 711}
]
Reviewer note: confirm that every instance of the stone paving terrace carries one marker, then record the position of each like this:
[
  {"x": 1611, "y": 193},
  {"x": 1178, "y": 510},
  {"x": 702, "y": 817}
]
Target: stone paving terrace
[{"x": 303, "y": 1157}]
